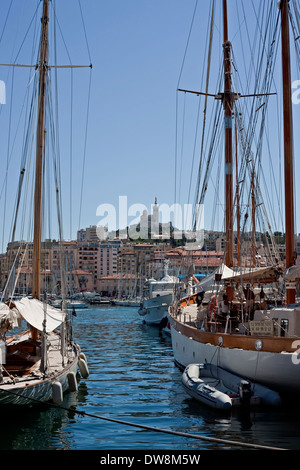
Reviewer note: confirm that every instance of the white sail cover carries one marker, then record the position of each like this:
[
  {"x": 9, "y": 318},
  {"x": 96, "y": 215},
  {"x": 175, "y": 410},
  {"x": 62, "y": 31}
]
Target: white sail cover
[
  {"x": 33, "y": 311},
  {"x": 209, "y": 281},
  {"x": 4, "y": 310}
]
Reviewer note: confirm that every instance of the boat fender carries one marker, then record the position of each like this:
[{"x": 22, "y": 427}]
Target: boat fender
[
  {"x": 72, "y": 382},
  {"x": 57, "y": 393},
  {"x": 83, "y": 356},
  {"x": 83, "y": 368},
  {"x": 163, "y": 323},
  {"x": 245, "y": 392}
]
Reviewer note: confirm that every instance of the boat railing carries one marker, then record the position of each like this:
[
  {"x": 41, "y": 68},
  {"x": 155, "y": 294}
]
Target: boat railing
[{"x": 238, "y": 321}]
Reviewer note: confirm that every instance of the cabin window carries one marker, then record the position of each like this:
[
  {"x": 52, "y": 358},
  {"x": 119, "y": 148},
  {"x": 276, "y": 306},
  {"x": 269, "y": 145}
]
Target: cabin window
[{"x": 284, "y": 327}]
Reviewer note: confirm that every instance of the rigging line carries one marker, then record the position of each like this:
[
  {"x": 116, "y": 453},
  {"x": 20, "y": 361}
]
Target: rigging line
[
  {"x": 148, "y": 428},
  {"x": 62, "y": 36},
  {"x": 55, "y": 163},
  {"x": 57, "y": 171},
  {"x": 5, "y": 22},
  {"x": 182, "y": 139},
  {"x": 14, "y": 140},
  {"x": 212, "y": 129},
  {"x": 51, "y": 135},
  {"x": 11, "y": 271},
  {"x": 209, "y": 28},
  {"x": 262, "y": 42},
  {"x": 22, "y": 43},
  {"x": 28, "y": 112},
  {"x": 214, "y": 145},
  {"x": 30, "y": 121},
  {"x": 251, "y": 47},
  {"x": 259, "y": 68},
  {"x": 187, "y": 43},
  {"x": 206, "y": 90},
  {"x": 297, "y": 47},
  {"x": 71, "y": 153},
  {"x": 180, "y": 74},
  {"x": 7, "y": 162},
  {"x": 19, "y": 267},
  {"x": 243, "y": 177},
  {"x": 85, "y": 34},
  {"x": 85, "y": 145},
  {"x": 176, "y": 149},
  {"x": 210, "y": 158},
  {"x": 259, "y": 151},
  {"x": 254, "y": 117},
  {"x": 27, "y": 94}
]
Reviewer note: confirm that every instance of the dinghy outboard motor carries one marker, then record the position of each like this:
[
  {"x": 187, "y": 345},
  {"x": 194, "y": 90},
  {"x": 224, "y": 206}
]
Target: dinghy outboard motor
[{"x": 245, "y": 393}]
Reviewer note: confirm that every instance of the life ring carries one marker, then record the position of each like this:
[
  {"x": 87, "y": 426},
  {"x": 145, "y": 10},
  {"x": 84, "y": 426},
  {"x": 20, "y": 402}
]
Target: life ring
[{"x": 213, "y": 306}]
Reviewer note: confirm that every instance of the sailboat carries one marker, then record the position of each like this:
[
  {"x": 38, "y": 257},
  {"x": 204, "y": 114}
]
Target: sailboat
[
  {"x": 38, "y": 364},
  {"x": 230, "y": 328}
]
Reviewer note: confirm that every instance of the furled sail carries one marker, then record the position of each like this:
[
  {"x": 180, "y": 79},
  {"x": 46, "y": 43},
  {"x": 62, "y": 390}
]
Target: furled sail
[{"x": 34, "y": 312}]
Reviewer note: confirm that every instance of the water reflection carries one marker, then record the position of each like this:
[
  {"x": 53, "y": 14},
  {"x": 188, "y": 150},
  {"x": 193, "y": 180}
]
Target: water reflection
[
  {"x": 133, "y": 378},
  {"x": 38, "y": 427}
]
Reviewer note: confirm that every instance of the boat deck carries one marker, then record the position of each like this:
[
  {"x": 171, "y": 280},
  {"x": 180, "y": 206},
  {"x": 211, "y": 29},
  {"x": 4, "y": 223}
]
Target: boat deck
[{"x": 23, "y": 361}]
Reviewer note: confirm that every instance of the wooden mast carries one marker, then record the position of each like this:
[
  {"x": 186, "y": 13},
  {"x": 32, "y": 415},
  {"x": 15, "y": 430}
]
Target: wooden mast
[
  {"x": 227, "y": 101},
  {"x": 288, "y": 145},
  {"x": 39, "y": 155}
]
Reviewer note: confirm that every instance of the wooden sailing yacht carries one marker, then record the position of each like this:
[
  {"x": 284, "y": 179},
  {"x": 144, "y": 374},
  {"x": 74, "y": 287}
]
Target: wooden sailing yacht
[
  {"x": 261, "y": 346},
  {"x": 40, "y": 364}
]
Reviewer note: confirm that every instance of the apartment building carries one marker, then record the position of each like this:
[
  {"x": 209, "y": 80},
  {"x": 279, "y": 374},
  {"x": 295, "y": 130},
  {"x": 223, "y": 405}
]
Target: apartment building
[{"x": 109, "y": 257}]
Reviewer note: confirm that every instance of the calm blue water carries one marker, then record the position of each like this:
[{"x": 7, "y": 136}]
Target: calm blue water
[{"x": 133, "y": 378}]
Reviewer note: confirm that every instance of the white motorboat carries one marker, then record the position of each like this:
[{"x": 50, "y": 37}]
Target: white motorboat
[
  {"x": 70, "y": 304},
  {"x": 158, "y": 295},
  {"x": 218, "y": 388},
  {"x": 126, "y": 302}
]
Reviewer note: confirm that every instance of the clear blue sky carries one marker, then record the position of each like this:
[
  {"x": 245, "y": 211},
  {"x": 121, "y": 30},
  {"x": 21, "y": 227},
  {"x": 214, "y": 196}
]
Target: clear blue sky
[{"x": 137, "y": 49}]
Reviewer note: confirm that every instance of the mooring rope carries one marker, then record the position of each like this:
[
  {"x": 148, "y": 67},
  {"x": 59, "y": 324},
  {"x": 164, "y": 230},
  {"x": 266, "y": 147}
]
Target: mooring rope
[{"x": 151, "y": 428}]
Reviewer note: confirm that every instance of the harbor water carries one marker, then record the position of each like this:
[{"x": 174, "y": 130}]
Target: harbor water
[{"x": 133, "y": 379}]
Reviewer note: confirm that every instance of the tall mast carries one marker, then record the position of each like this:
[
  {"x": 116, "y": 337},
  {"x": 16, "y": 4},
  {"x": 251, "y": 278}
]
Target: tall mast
[
  {"x": 288, "y": 144},
  {"x": 228, "y": 101},
  {"x": 40, "y": 153}
]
